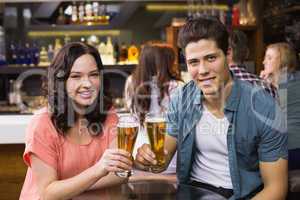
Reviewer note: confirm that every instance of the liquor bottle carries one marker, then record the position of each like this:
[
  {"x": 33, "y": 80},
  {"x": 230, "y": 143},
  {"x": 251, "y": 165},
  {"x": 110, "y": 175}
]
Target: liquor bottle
[
  {"x": 235, "y": 16},
  {"x": 35, "y": 54},
  {"x": 67, "y": 39},
  {"x": 88, "y": 13},
  {"x": 44, "y": 62},
  {"x": 61, "y": 17},
  {"x": 20, "y": 55},
  {"x": 133, "y": 54},
  {"x": 11, "y": 93},
  {"x": 123, "y": 54},
  {"x": 102, "y": 52},
  {"x": 2, "y": 47},
  {"x": 95, "y": 11},
  {"x": 57, "y": 46},
  {"x": 110, "y": 52},
  {"x": 116, "y": 52},
  {"x": 27, "y": 54},
  {"x": 12, "y": 54},
  {"x": 81, "y": 13},
  {"x": 50, "y": 52},
  {"x": 103, "y": 17},
  {"x": 222, "y": 17},
  {"x": 74, "y": 15}
]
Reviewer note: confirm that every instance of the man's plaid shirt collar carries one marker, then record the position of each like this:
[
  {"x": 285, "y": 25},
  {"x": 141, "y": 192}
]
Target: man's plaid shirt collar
[{"x": 241, "y": 73}]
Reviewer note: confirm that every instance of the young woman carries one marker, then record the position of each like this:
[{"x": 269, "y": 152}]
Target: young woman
[
  {"x": 67, "y": 143},
  {"x": 150, "y": 86},
  {"x": 282, "y": 69},
  {"x": 280, "y": 63}
]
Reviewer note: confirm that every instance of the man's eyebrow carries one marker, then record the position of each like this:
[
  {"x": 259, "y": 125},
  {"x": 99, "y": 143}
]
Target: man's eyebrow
[
  {"x": 212, "y": 54},
  {"x": 193, "y": 60}
]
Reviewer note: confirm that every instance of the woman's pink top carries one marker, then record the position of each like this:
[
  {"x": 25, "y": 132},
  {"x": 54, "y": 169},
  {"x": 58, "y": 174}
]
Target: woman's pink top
[{"x": 67, "y": 158}]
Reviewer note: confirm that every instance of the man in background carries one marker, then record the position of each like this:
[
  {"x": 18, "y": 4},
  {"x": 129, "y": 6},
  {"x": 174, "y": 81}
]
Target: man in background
[{"x": 237, "y": 54}]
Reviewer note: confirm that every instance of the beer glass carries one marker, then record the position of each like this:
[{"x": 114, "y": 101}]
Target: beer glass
[
  {"x": 127, "y": 128},
  {"x": 156, "y": 130}
]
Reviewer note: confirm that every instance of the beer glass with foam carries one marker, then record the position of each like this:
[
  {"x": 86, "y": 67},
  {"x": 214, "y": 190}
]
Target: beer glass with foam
[
  {"x": 127, "y": 128},
  {"x": 156, "y": 130}
]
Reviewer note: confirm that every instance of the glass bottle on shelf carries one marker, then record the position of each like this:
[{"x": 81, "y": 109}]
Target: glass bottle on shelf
[
  {"x": 11, "y": 54},
  {"x": 74, "y": 15},
  {"x": 123, "y": 54},
  {"x": 95, "y": 6},
  {"x": 27, "y": 54},
  {"x": 20, "y": 55},
  {"x": 50, "y": 52},
  {"x": 88, "y": 13},
  {"x": 67, "y": 39},
  {"x": 57, "y": 46},
  {"x": 103, "y": 17},
  {"x": 44, "y": 62},
  {"x": 61, "y": 19},
  {"x": 110, "y": 52},
  {"x": 35, "y": 54},
  {"x": 102, "y": 52},
  {"x": 11, "y": 93},
  {"x": 116, "y": 52},
  {"x": 235, "y": 15},
  {"x": 133, "y": 54},
  {"x": 2, "y": 47},
  {"x": 81, "y": 13}
]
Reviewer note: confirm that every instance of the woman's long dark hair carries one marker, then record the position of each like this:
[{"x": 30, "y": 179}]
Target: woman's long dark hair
[
  {"x": 156, "y": 59},
  {"x": 63, "y": 114}
]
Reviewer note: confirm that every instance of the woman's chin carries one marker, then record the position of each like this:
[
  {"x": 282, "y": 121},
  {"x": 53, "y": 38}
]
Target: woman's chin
[{"x": 85, "y": 103}]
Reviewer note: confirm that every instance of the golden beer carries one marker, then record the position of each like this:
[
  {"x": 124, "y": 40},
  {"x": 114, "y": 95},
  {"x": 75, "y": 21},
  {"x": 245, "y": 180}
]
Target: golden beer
[
  {"x": 156, "y": 129},
  {"x": 127, "y": 134},
  {"x": 127, "y": 128}
]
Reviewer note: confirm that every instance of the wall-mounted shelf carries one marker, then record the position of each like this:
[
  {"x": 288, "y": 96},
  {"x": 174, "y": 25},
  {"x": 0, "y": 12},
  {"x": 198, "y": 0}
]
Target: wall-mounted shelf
[
  {"x": 71, "y": 30},
  {"x": 16, "y": 69}
]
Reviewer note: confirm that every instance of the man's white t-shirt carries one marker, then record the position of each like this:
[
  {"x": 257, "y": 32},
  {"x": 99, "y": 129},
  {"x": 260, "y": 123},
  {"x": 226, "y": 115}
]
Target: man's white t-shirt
[{"x": 211, "y": 164}]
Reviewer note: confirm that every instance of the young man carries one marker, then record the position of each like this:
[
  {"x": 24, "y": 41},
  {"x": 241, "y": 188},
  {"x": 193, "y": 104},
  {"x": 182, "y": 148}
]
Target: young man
[
  {"x": 229, "y": 135},
  {"x": 237, "y": 54}
]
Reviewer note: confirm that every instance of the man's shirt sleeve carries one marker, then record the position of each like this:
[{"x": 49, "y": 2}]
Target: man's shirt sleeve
[
  {"x": 172, "y": 114},
  {"x": 273, "y": 132}
]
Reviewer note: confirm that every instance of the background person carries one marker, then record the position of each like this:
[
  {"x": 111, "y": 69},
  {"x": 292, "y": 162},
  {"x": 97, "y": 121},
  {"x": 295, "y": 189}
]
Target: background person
[
  {"x": 281, "y": 68},
  {"x": 237, "y": 54},
  {"x": 148, "y": 89}
]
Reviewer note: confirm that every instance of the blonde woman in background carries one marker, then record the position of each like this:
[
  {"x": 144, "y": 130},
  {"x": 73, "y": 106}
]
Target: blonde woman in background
[
  {"x": 282, "y": 70},
  {"x": 280, "y": 64}
]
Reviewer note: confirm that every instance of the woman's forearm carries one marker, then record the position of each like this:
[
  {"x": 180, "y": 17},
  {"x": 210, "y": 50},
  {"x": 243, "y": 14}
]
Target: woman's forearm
[
  {"x": 68, "y": 188},
  {"x": 108, "y": 181}
]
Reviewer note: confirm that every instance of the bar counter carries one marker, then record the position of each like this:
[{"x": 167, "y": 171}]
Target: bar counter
[
  {"x": 162, "y": 187},
  {"x": 12, "y": 128}
]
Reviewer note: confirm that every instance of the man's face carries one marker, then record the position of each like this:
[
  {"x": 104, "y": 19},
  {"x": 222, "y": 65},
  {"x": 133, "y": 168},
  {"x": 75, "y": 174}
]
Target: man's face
[{"x": 207, "y": 66}]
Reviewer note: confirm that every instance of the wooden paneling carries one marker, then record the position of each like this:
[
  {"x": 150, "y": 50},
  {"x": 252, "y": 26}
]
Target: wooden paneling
[{"x": 12, "y": 171}]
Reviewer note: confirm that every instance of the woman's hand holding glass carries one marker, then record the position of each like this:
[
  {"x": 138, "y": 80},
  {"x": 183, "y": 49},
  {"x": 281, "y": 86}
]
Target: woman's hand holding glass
[{"x": 115, "y": 160}]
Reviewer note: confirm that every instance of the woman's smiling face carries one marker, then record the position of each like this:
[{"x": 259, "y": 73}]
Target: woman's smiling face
[{"x": 83, "y": 83}]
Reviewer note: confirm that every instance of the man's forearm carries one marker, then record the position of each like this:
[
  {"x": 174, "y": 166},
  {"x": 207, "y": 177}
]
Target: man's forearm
[{"x": 274, "y": 193}]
